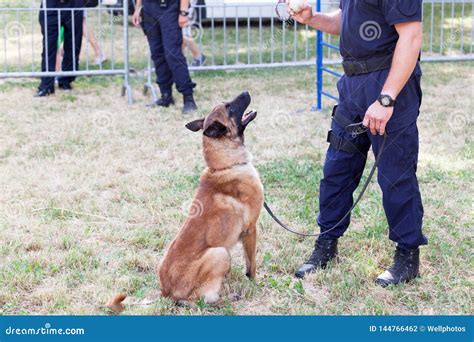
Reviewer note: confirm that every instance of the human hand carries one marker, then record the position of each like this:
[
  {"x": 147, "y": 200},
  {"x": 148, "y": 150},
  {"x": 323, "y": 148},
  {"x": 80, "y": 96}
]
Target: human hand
[
  {"x": 376, "y": 118},
  {"x": 136, "y": 18},
  {"x": 182, "y": 21},
  {"x": 304, "y": 16}
]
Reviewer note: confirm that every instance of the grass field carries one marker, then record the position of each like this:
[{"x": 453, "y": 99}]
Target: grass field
[{"x": 93, "y": 191}]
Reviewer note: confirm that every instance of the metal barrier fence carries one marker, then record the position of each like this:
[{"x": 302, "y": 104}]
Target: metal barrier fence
[
  {"x": 22, "y": 46},
  {"x": 250, "y": 35},
  {"x": 234, "y": 36}
]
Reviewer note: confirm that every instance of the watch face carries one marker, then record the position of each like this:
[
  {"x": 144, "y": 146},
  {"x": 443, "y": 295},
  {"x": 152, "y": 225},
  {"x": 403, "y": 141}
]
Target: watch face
[{"x": 385, "y": 101}]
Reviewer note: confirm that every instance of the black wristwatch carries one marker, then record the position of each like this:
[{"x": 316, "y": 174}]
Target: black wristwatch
[
  {"x": 184, "y": 13},
  {"x": 386, "y": 100}
]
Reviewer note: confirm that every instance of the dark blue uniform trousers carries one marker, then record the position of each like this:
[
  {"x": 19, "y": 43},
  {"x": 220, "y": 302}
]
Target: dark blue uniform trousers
[
  {"x": 50, "y": 24},
  {"x": 165, "y": 38},
  {"x": 397, "y": 166}
]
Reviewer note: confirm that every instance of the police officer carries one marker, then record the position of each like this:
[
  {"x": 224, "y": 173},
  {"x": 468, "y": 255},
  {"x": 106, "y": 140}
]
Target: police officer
[
  {"x": 380, "y": 43},
  {"x": 162, "y": 22},
  {"x": 51, "y": 19}
]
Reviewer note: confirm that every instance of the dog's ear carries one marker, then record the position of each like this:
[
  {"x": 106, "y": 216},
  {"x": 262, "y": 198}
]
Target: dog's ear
[
  {"x": 215, "y": 130},
  {"x": 195, "y": 125}
]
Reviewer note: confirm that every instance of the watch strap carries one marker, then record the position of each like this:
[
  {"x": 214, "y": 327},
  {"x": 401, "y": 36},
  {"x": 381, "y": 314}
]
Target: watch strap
[{"x": 383, "y": 100}]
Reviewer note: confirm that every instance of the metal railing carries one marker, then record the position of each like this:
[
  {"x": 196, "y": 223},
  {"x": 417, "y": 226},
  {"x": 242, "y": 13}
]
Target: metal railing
[
  {"x": 21, "y": 42},
  {"x": 230, "y": 36}
]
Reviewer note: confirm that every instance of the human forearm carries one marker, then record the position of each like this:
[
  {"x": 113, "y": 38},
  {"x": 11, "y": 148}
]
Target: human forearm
[
  {"x": 184, "y": 5},
  {"x": 404, "y": 59},
  {"x": 326, "y": 22},
  {"x": 138, "y": 5}
]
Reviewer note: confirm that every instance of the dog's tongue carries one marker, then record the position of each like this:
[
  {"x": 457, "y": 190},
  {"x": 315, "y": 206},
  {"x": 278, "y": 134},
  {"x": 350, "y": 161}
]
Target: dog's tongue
[{"x": 249, "y": 116}]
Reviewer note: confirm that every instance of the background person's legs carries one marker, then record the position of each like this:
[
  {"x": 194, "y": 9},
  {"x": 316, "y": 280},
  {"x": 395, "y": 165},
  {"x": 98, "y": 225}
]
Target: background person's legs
[
  {"x": 72, "y": 44},
  {"x": 153, "y": 33},
  {"x": 50, "y": 46},
  {"x": 188, "y": 42},
  {"x": 172, "y": 42},
  {"x": 192, "y": 46}
]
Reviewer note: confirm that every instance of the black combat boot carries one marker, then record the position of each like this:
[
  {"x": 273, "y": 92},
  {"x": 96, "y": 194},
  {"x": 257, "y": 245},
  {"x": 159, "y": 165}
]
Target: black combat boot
[
  {"x": 65, "y": 86},
  {"x": 189, "y": 104},
  {"x": 406, "y": 265},
  {"x": 44, "y": 92},
  {"x": 166, "y": 100},
  {"x": 324, "y": 251}
]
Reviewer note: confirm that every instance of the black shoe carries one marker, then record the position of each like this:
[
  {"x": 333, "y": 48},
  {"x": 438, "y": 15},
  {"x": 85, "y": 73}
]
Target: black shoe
[
  {"x": 44, "y": 92},
  {"x": 406, "y": 266},
  {"x": 324, "y": 251},
  {"x": 166, "y": 100},
  {"x": 65, "y": 87},
  {"x": 189, "y": 104}
]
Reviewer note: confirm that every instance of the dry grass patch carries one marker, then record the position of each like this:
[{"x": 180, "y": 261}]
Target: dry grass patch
[{"x": 93, "y": 190}]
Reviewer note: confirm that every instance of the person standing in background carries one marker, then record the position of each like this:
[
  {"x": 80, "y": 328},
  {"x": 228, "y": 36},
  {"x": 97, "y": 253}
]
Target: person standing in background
[
  {"x": 51, "y": 18},
  {"x": 99, "y": 55},
  {"x": 194, "y": 23},
  {"x": 162, "y": 22}
]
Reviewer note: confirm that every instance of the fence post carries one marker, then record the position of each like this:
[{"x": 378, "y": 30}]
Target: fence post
[
  {"x": 149, "y": 83},
  {"x": 319, "y": 65},
  {"x": 126, "y": 89}
]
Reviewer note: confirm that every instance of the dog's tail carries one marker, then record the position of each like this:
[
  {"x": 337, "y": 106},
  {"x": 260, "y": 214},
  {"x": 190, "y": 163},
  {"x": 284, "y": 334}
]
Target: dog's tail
[{"x": 115, "y": 304}]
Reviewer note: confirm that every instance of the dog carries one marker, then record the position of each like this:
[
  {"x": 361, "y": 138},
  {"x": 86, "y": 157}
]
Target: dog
[{"x": 229, "y": 200}]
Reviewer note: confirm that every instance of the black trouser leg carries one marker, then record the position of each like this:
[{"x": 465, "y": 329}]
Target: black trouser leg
[
  {"x": 72, "y": 43},
  {"x": 49, "y": 30}
]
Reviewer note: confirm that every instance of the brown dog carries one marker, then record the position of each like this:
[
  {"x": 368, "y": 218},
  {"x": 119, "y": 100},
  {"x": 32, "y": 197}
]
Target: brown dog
[{"x": 229, "y": 200}]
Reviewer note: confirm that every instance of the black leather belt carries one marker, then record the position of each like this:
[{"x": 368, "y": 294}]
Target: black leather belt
[{"x": 358, "y": 67}]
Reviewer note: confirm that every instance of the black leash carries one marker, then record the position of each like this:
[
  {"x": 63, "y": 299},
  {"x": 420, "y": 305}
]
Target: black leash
[{"x": 358, "y": 131}]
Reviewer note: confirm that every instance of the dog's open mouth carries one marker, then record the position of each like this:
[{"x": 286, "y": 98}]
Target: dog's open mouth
[{"x": 249, "y": 116}]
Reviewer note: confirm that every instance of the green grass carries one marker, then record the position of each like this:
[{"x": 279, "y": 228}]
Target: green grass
[{"x": 104, "y": 187}]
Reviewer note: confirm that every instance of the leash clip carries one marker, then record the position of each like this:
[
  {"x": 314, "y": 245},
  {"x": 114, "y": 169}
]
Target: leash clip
[{"x": 356, "y": 129}]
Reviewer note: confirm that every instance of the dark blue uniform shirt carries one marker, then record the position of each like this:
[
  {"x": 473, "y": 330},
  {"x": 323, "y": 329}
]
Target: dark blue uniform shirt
[{"x": 367, "y": 26}]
